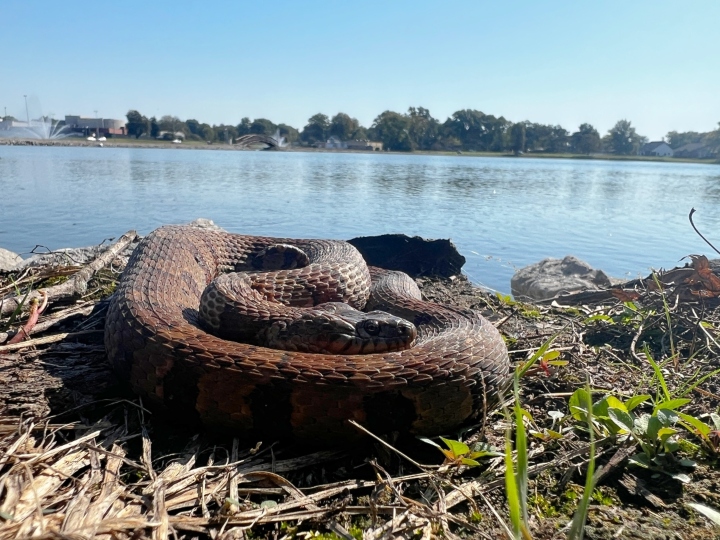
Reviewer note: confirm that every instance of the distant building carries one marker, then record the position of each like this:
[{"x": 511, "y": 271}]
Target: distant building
[
  {"x": 694, "y": 150},
  {"x": 7, "y": 124},
  {"x": 171, "y": 135},
  {"x": 335, "y": 143},
  {"x": 656, "y": 148},
  {"x": 99, "y": 126},
  {"x": 364, "y": 144}
]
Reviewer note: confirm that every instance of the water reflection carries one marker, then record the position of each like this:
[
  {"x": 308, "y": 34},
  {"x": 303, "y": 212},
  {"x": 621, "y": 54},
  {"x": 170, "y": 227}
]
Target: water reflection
[{"x": 501, "y": 212}]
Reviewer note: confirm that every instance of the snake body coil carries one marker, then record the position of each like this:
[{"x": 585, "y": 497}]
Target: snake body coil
[{"x": 154, "y": 338}]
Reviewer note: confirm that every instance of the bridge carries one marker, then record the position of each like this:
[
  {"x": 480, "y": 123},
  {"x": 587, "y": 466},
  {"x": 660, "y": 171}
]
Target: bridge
[{"x": 248, "y": 140}]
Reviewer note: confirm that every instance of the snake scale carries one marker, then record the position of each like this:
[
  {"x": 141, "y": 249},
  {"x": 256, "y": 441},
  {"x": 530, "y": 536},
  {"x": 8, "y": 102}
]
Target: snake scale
[{"x": 154, "y": 337}]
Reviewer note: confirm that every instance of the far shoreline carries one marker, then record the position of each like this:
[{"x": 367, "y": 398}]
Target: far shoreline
[{"x": 202, "y": 145}]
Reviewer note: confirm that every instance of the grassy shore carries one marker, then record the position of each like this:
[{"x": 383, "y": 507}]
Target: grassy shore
[{"x": 129, "y": 142}]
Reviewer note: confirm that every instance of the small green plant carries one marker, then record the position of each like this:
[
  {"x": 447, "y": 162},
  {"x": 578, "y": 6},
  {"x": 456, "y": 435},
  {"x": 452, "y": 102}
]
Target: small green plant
[
  {"x": 458, "y": 453},
  {"x": 476, "y": 517},
  {"x": 654, "y": 433},
  {"x": 543, "y": 356},
  {"x": 19, "y": 308},
  {"x": 601, "y": 422},
  {"x": 506, "y": 299},
  {"x": 709, "y": 435},
  {"x": 543, "y": 506},
  {"x": 633, "y": 315},
  {"x": 601, "y": 498},
  {"x": 547, "y": 434}
]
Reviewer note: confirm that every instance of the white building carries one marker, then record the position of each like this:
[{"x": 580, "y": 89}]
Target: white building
[{"x": 656, "y": 148}]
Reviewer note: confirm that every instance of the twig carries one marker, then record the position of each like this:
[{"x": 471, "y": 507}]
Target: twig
[
  {"x": 692, "y": 211},
  {"x": 84, "y": 309},
  {"x": 54, "y": 338},
  {"x": 35, "y": 310},
  {"x": 398, "y": 452},
  {"x": 76, "y": 286},
  {"x": 302, "y": 499}
]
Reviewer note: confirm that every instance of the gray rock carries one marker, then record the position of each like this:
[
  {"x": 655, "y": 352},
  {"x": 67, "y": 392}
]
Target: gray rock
[
  {"x": 204, "y": 223},
  {"x": 550, "y": 277},
  {"x": 9, "y": 260}
]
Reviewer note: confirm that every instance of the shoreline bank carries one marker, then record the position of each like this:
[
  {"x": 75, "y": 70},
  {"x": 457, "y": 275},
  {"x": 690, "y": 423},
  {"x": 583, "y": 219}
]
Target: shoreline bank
[{"x": 199, "y": 145}]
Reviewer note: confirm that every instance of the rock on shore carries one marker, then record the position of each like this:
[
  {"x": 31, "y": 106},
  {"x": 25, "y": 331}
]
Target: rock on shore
[
  {"x": 550, "y": 277},
  {"x": 9, "y": 260}
]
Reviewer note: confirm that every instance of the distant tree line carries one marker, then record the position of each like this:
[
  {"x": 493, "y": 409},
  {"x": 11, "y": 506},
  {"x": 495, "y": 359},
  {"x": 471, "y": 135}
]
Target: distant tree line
[{"x": 465, "y": 130}]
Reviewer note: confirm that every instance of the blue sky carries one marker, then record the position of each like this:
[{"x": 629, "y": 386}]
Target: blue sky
[{"x": 656, "y": 63}]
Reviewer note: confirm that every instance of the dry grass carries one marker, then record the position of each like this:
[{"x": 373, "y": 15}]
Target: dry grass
[{"x": 78, "y": 466}]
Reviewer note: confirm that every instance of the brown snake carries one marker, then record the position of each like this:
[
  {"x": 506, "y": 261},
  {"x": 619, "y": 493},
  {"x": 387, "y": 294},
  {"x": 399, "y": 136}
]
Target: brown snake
[{"x": 449, "y": 377}]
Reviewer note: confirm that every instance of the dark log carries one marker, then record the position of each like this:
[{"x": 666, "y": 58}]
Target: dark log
[{"x": 410, "y": 254}]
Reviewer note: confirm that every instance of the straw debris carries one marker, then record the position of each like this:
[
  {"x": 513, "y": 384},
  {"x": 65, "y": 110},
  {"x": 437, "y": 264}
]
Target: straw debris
[{"x": 82, "y": 458}]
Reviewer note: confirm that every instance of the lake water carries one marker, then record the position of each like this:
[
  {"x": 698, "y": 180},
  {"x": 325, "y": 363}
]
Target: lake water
[{"x": 502, "y": 213}]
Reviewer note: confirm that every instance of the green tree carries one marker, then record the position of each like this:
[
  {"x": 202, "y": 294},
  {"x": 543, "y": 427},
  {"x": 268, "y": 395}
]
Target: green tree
[
  {"x": 424, "y": 129},
  {"x": 262, "y": 126},
  {"x": 243, "y": 128},
  {"x": 499, "y": 142},
  {"x": 558, "y": 140},
  {"x": 534, "y": 136},
  {"x": 586, "y": 140},
  {"x": 393, "y": 129},
  {"x": 172, "y": 124},
  {"x": 360, "y": 134},
  {"x": 475, "y": 129},
  {"x": 207, "y": 132},
  {"x": 712, "y": 140},
  {"x": 154, "y": 127},
  {"x": 342, "y": 126},
  {"x": 194, "y": 126},
  {"x": 622, "y": 139},
  {"x": 517, "y": 137},
  {"x": 545, "y": 138},
  {"x": 676, "y": 140},
  {"x": 137, "y": 124},
  {"x": 290, "y": 133},
  {"x": 225, "y": 133},
  {"x": 317, "y": 129}
]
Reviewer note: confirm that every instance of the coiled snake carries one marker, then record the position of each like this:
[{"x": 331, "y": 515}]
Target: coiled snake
[{"x": 155, "y": 339}]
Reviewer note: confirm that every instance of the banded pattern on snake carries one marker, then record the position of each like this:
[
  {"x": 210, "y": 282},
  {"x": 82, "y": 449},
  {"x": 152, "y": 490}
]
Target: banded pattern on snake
[{"x": 155, "y": 339}]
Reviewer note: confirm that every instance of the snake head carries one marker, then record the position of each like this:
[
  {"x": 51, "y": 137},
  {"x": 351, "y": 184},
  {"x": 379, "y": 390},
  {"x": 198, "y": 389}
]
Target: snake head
[
  {"x": 372, "y": 332},
  {"x": 336, "y": 328}
]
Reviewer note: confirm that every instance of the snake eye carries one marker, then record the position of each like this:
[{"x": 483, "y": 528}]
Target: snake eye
[{"x": 372, "y": 328}]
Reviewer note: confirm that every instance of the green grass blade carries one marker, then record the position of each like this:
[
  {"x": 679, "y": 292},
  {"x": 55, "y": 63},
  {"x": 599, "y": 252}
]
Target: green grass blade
[
  {"x": 698, "y": 382},
  {"x": 577, "y": 529},
  {"x": 666, "y": 309},
  {"x": 511, "y": 488},
  {"x": 537, "y": 356},
  {"x": 521, "y": 449},
  {"x": 658, "y": 374}
]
